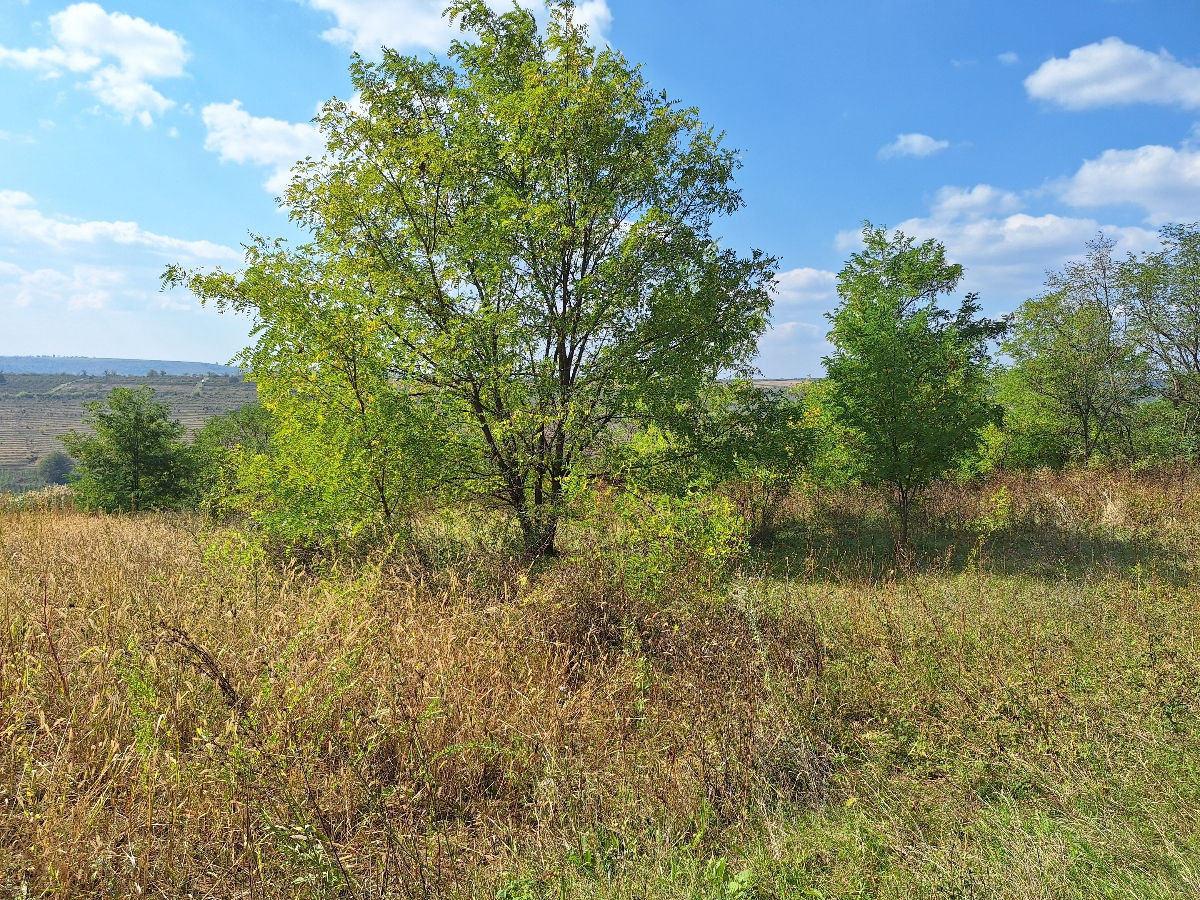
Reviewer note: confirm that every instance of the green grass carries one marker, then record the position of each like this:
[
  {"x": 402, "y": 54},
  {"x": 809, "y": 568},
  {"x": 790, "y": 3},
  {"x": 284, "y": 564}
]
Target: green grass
[{"x": 1014, "y": 713}]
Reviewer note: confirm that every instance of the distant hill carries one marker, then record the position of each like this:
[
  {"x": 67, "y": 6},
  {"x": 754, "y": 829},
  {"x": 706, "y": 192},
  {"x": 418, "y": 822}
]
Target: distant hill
[
  {"x": 36, "y": 409},
  {"x": 95, "y": 365}
]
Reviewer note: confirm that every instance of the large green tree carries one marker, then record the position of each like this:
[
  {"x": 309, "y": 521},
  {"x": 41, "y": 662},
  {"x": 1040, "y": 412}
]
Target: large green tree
[
  {"x": 1078, "y": 372},
  {"x": 134, "y": 458},
  {"x": 510, "y": 256},
  {"x": 907, "y": 379}
]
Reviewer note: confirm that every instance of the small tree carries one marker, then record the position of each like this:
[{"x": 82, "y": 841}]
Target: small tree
[
  {"x": 1077, "y": 359},
  {"x": 134, "y": 459},
  {"x": 55, "y": 467},
  {"x": 220, "y": 446},
  {"x": 1164, "y": 290},
  {"x": 511, "y": 259},
  {"x": 908, "y": 380}
]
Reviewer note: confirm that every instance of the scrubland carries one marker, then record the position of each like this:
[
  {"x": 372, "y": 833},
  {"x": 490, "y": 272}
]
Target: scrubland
[{"x": 1014, "y": 712}]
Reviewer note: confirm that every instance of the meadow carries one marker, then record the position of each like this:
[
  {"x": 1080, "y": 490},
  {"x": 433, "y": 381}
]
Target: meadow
[{"x": 1014, "y": 713}]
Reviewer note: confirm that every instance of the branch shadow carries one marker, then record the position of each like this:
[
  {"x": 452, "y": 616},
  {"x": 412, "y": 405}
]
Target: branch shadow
[{"x": 859, "y": 547}]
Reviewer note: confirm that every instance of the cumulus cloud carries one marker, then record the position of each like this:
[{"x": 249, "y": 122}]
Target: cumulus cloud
[
  {"x": 1009, "y": 58},
  {"x": 805, "y": 287},
  {"x": 84, "y": 287},
  {"x": 21, "y": 221},
  {"x": 912, "y": 144},
  {"x": 124, "y": 55},
  {"x": 1006, "y": 255},
  {"x": 1164, "y": 181},
  {"x": 952, "y": 202},
  {"x": 1114, "y": 73},
  {"x": 236, "y": 136},
  {"x": 366, "y": 25}
]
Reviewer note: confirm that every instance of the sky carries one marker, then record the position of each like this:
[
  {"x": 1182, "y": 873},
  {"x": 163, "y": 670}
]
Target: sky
[{"x": 139, "y": 133}]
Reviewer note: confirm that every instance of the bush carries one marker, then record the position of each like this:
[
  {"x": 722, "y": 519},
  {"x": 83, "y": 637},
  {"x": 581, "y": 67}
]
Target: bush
[
  {"x": 55, "y": 467},
  {"x": 135, "y": 459}
]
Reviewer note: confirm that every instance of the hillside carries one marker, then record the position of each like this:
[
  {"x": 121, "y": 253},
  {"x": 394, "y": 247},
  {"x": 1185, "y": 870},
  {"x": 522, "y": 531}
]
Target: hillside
[
  {"x": 98, "y": 365},
  {"x": 36, "y": 409}
]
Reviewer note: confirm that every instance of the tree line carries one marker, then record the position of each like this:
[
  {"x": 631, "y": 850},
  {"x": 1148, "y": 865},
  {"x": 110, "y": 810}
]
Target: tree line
[{"x": 511, "y": 287}]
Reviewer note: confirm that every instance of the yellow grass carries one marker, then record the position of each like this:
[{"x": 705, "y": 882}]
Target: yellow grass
[{"x": 1014, "y": 716}]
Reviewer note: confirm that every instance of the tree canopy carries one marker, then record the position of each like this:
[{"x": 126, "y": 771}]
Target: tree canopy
[
  {"x": 134, "y": 459},
  {"x": 511, "y": 255},
  {"x": 908, "y": 379},
  {"x": 1078, "y": 370},
  {"x": 1163, "y": 295}
]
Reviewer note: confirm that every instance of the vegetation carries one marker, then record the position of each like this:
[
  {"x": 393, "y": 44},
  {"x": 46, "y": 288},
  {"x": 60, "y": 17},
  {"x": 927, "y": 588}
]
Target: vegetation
[
  {"x": 511, "y": 256},
  {"x": 1164, "y": 289},
  {"x": 35, "y": 410},
  {"x": 1015, "y": 717},
  {"x": 508, "y": 590},
  {"x": 907, "y": 379},
  {"x": 55, "y": 467},
  {"x": 1078, "y": 359},
  {"x": 134, "y": 458}
]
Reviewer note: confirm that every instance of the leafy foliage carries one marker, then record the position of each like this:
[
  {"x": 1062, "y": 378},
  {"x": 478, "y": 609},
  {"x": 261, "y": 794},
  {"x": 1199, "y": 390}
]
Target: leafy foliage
[
  {"x": 511, "y": 257},
  {"x": 135, "y": 459},
  {"x": 908, "y": 380},
  {"x": 1078, "y": 372},
  {"x": 55, "y": 467},
  {"x": 1164, "y": 288},
  {"x": 219, "y": 446}
]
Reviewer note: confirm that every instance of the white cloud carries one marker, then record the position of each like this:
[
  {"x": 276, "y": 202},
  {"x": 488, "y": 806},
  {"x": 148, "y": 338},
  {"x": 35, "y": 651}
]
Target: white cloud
[
  {"x": 21, "y": 221},
  {"x": 1009, "y": 58},
  {"x": 85, "y": 287},
  {"x": 912, "y": 144},
  {"x": 366, "y": 25},
  {"x": 972, "y": 203},
  {"x": 1164, "y": 181},
  {"x": 806, "y": 287},
  {"x": 123, "y": 53},
  {"x": 596, "y": 15},
  {"x": 1006, "y": 256},
  {"x": 1112, "y": 73},
  {"x": 239, "y": 137}
]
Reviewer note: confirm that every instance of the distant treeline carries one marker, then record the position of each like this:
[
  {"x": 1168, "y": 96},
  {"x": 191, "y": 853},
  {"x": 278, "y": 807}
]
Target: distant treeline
[{"x": 94, "y": 365}]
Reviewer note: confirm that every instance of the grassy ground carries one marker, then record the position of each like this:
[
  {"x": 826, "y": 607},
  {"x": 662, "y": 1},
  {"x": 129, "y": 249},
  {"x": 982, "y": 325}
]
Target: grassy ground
[{"x": 1015, "y": 713}]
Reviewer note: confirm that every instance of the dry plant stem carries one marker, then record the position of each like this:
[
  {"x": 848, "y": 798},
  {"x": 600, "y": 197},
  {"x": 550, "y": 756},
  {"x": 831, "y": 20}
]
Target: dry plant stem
[
  {"x": 51, "y": 645},
  {"x": 203, "y": 662}
]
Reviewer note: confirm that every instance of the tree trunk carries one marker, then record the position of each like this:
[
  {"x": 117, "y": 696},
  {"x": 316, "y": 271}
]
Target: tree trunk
[
  {"x": 538, "y": 533},
  {"x": 904, "y": 498}
]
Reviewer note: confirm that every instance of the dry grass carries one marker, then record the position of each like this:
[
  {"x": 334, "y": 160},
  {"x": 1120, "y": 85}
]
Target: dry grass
[
  {"x": 1015, "y": 716},
  {"x": 180, "y": 718}
]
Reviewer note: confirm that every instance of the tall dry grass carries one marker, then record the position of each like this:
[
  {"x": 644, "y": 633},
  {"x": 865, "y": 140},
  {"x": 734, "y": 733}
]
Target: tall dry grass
[
  {"x": 1015, "y": 714},
  {"x": 183, "y": 718}
]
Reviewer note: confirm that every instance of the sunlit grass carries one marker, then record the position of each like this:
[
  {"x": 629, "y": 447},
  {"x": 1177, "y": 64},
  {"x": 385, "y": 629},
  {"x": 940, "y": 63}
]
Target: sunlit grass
[{"x": 1012, "y": 714}]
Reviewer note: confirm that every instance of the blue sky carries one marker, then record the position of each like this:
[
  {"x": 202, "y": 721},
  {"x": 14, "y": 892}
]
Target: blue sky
[{"x": 134, "y": 133}]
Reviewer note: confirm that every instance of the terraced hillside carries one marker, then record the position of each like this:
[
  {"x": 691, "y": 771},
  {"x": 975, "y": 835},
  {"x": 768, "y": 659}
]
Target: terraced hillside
[{"x": 36, "y": 409}]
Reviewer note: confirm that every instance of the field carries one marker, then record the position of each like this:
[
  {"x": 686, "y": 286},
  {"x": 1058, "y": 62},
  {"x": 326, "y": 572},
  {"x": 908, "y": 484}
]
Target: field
[
  {"x": 36, "y": 409},
  {"x": 1015, "y": 714}
]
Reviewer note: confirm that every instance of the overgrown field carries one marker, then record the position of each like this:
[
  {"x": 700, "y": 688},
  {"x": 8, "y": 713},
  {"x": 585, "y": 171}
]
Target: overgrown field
[{"x": 1015, "y": 714}]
